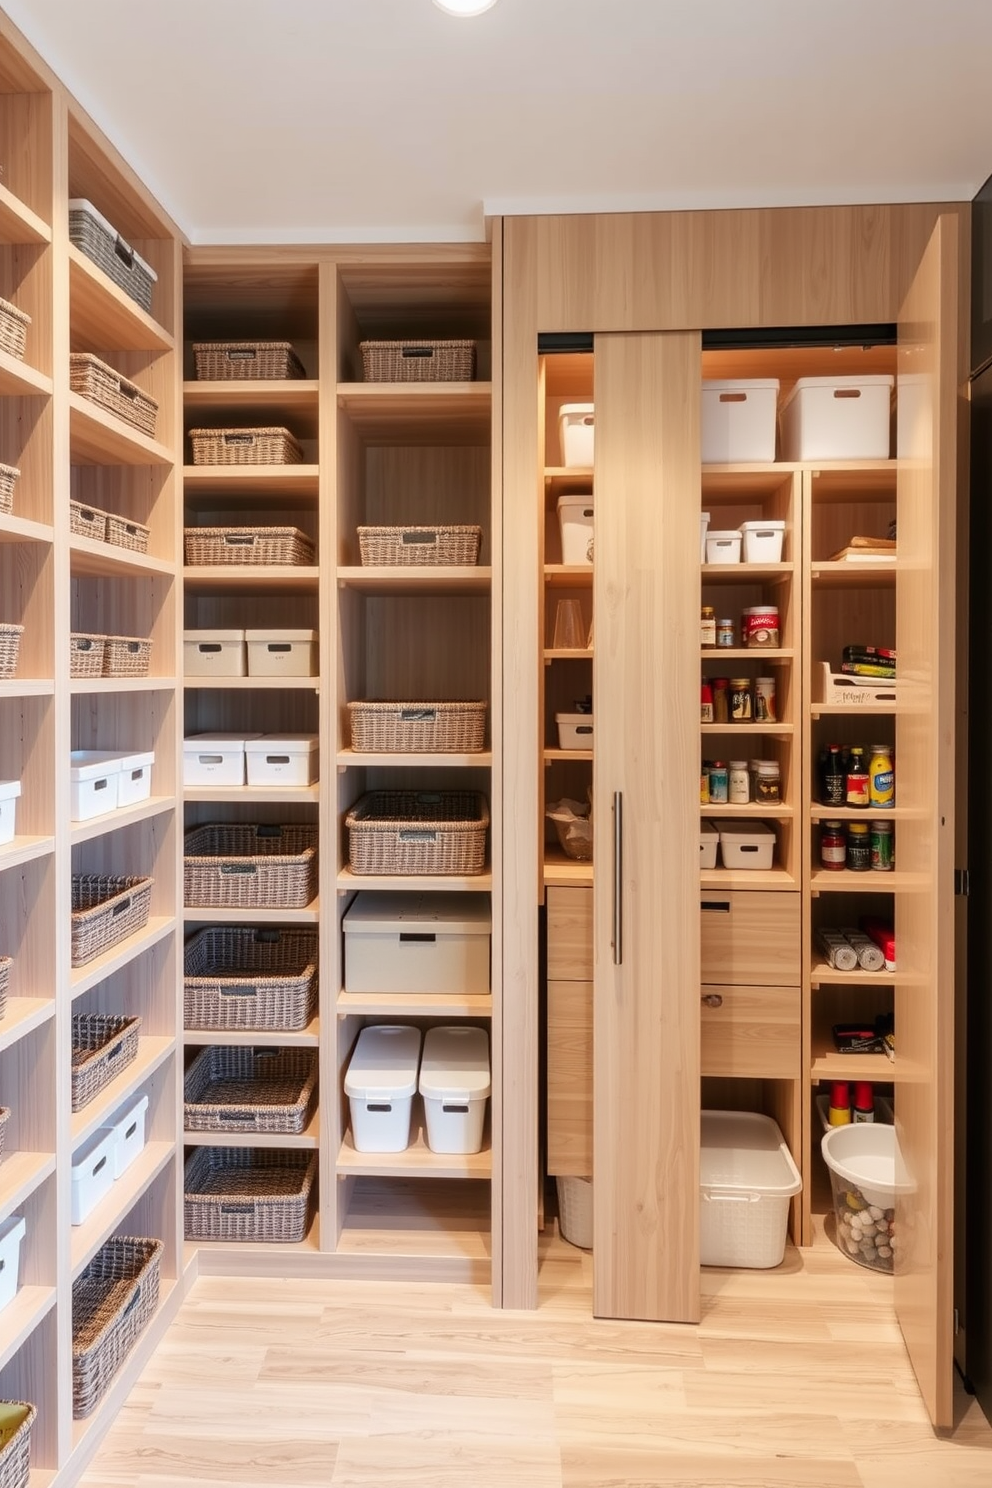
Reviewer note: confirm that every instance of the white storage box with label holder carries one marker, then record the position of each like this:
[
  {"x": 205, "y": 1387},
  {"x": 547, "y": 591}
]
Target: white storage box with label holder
[
  {"x": 126, "y": 1129},
  {"x": 9, "y": 792},
  {"x": 94, "y": 776},
  {"x": 455, "y": 1082},
  {"x": 738, "y": 420},
  {"x": 214, "y": 653},
  {"x": 380, "y": 1085},
  {"x": 709, "y": 841},
  {"x": 574, "y": 730},
  {"x": 134, "y": 781},
  {"x": 215, "y": 759},
  {"x": 577, "y": 433},
  {"x": 749, "y": 845},
  {"x": 278, "y": 759},
  {"x": 723, "y": 547},
  {"x": 92, "y": 1173},
  {"x": 746, "y": 1179},
  {"x": 11, "y": 1235},
  {"x": 418, "y": 943},
  {"x": 282, "y": 653},
  {"x": 575, "y": 520},
  {"x": 837, "y": 418},
  {"x": 704, "y": 522},
  {"x": 855, "y": 692},
  {"x": 762, "y": 541}
]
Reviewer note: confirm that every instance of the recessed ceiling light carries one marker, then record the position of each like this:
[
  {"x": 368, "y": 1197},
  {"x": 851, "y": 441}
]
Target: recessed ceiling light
[{"x": 464, "y": 7}]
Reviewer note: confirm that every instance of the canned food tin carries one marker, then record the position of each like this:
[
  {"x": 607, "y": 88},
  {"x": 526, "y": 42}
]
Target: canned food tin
[
  {"x": 882, "y": 840},
  {"x": 740, "y": 700},
  {"x": 759, "y": 626}
]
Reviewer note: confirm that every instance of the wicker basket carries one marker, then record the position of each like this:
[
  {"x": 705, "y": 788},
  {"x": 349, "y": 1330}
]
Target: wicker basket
[
  {"x": 13, "y": 329},
  {"x": 238, "y": 977},
  {"x": 575, "y": 1211},
  {"x": 105, "y": 386},
  {"x": 10, "y": 645},
  {"x": 250, "y": 1090},
  {"x": 94, "y": 236},
  {"x": 414, "y": 832},
  {"x": 113, "y": 1299},
  {"x": 243, "y": 1193},
  {"x": 101, "y": 1047},
  {"x": 418, "y": 361},
  {"x": 106, "y": 908},
  {"x": 419, "y": 547},
  {"x": 245, "y": 447},
  {"x": 86, "y": 655},
  {"x": 6, "y": 962},
  {"x": 126, "y": 656},
  {"x": 124, "y": 533},
  {"x": 417, "y": 728},
  {"x": 16, "y": 1420},
  {"x": 8, "y": 476},
  {"x": 4, "y": 1118},
  {"x": 239, "y": 865},
  {"x": 87, "y": 521},
  {"x": 244, "y": 361},
  {"x": 248, "y": 545}
]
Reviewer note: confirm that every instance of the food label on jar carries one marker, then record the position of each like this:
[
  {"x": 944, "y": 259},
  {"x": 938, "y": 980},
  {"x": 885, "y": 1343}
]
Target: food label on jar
[
  {"x": 883, "y": 788},
  {"x": 740, "y": 704},
  {"x": 760, "y": 627}
]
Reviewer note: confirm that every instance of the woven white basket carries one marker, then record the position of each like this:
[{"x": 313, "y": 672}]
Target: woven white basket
[{"x": 575, "y": 1211}]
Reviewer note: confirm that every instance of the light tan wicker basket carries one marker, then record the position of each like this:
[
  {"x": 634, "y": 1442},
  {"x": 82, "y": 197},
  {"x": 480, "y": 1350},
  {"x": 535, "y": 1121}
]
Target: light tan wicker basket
[
  {"x": 205, "y": 545},
  {"x": 126, "y": 656},
  {"x": 13, "y": 329},
  {"x": 110, "y": 389},
  {"x": 418, "y": 832},
  {"x": 87, "y": 521},
  {"x": 103, "y": 244},
  {"x": 243, "y": 866},
  {"x": 243, "y": 1193},
  {"x": 250, "y": 1090},
  {"x": 270, "y": 446},
  {"x": 86, "y": 655},
  {"x": 229, "y": 361},
  {"x": 16, "y": 1420},
  {"x": 106, "y": 909},
  {"x": 10, "y": 647},
  {"x": 102, "y": 1046},
  {"x": 240, "y": 977},
  {"x": 417, "y": 728},
  {"x": 6, "y": 962},
  {"x": 418, "y": 361},
  {"x": 9, "y": 474},
  {"x": 420, "y": 547},
  {"x": 113, "y": 1299},
  {"x": 122, "y": 532}
]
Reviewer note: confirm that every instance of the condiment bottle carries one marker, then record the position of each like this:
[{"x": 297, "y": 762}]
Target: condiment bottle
[
  {"x": 721, "y": 699},
  {"x": 833, "y": 846},
  {"x": 839, "y": 1113},
  {"x": 857, "y": 787},
  {"x": 740, "y": 700},
  {"x": 739, "y": 789},
  {"x": 834, "y": 780},
  {"x": 706, "y": 702},
  {"x": 858, "y": 847},
  {"x": 881, "y": 778},
  {"x": 707, "y": 626},
  {"x": 863, "y": 1107}
]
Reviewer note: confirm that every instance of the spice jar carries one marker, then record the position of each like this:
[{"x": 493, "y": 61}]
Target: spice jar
[
  {"x": 721, "y": 699},
  {"x": 725, "y": 634},
  {"x": 719, "y": 783},
  {"x": 740, "y": 700},
  {"x": 858, "y": 847},
  {"x": 704, "y": 784},
  {"x": 768, "y": 782},
  {"x": 739, "y": 784},
  {"x": 706, "y": 702},
  {"x": 707, "y": 626},
  {"x": 833, "y": 845}
]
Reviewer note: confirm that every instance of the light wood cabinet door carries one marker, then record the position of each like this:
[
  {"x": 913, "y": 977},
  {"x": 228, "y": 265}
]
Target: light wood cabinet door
[
  {"x": 570, "y": 935},
  {"x": 751, "y": 1032},
  {"x": 570, "y": 1079},
  {"x": 750, "y": 938}
]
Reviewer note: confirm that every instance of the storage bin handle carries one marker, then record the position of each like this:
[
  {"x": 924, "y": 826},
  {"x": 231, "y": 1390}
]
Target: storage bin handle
[
  {"x": 268, "y": 829},
  {"x": 239, "y": 439},
  {"x": 237, "y": 1208},
  {"x": 408, "y": 937},
  {"x": 209, "y": 759},
  {"x": 718, "y": 906},
  {"x": 100, "y": 1165},
  {"x": 583, "y": 728},
  {"x": 733, "y": 397},
  {"x": 460, "y": 1110},
  {"x": 133, "y": 647},
  {"x": 238, "y": 991},
  {"x": 116, "y": 1049},
  {"x": 124, "y": 251},
  {"x": 245, "y": 1116},
  {"x": 418, "y": 834},
  {"x": 133, "y": 1302},
  {"x": 847, "y": 392},
  {"x": 129, "y": 1133},
  {"x": 731, "y": 1198},
  {"x": 244, "y": 354},
  {"x": 377, "y": 1106},
  {"x": 121, "y": 908},
  {"x": 278, "y": 648},
  {"x": 231, "y": 868},
  {"x": 423, "y": 352},
  {"x": 277, "y": 759},
  {"x": 127, "y": 389},
  {"x": 418, "y": 715},
  {"x": 208, "y": 648},
  {"x": 239, "y": 540},
  {"x": 84, "y": 645},
  {"x": 423, "y": 539}
]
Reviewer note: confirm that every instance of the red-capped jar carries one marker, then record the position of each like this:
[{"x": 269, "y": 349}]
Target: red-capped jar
[{"x": 833, "y": 845}]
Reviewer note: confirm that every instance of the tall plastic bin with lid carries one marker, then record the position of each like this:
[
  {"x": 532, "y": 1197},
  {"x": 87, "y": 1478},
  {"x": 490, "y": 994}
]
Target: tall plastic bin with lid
[
  {"x": 738, "y": 420},
  {"x": 577, "y": 434},
  {"x": 455, "y": 1083},
  {"x": 746, "y": 1180},
  {"x": 837, "y": 418},
  {"x": 575, "y": 518},
  {"x": 380, "y": 1085}
]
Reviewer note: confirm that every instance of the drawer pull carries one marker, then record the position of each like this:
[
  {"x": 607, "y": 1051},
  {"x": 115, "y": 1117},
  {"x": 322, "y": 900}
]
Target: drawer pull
[
  {"x": 617, "y": 878},
  {"x": 715, "y": 906},
  {"x": 711, "y": 999}
]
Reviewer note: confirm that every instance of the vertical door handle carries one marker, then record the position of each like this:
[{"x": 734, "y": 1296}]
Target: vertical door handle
[{"x": 617, "y": 878}]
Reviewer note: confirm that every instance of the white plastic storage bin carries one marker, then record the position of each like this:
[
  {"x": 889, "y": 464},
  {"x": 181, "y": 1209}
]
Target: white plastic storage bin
[
  {"x": 723, "y": 547},
  {"x": 577, "y": 433},
  {"x": 380, "y": 1085},
  {"x": 9, "y": 792},
  {"x": 414, "y": 943},
  {"x": 837, "y": 418},
  {"x": 215, "y": 759},
  {"x": 749, "y": 845},
  {"x": 92, "y": 1173},
  {"x": 762, "y": 541},
  {"x": 574, "y": 730},
  {"x": 746, "y": 1179},
  {"x": 709, "y": 841},
  {"x": 11, "y": 1234},
  {"x": 867, "y": 1175},
  {"x": 126, "y": 1129},
  {"x": 94, "y": 776},
  {"x": 134, "y": 782},
  {"x": 278, "y": 759},
  {"x": 575, "y": 521},
  {"x": 214, "y": 653},
  {"x": 738, "y": 420},
  {"x": 282, "y": 653},
  {"x": 704, "y": 522},
  {"x": 455, "y": 1084}
]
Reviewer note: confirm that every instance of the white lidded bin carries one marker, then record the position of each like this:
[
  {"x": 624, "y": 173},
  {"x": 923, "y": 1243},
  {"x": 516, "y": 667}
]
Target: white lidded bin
[
  {"x": 837, "y": 418},
  {"x": 92, "y": 1171},
  {"x": 9, "y": 792},
  {"x": 126, "y": 1129},
  {"x": 215, "y": 759},
  {"x": 214, "y": 653},
  {"x": 709, "y": 841},
  {"x": 867, "y": 1175},
  {"x": 455, "y": 1083},
  {"x": 281, "y": 759},
  {"x": 12, "y": 1233},
  {"x": 738, "y": 420},
  {"x": 94, "y": 776},
  {"x": 723, "y": 547},
  {"x": 134, "y": 782},
  {"x": 576, "y": 522},
  {"x": 416, "y": 943},
  {"x": 577, "y": 433},
  {"x": 762, "y": 541},
  {"x": 746, "y": 1179},
  {"x": 282, "y": 653},
  {"x": 749, "y": 845},
  {"x": 704, "y": 522},
  {"x": 574, "y": 730},
  {"x": 380, "y": 1085}
]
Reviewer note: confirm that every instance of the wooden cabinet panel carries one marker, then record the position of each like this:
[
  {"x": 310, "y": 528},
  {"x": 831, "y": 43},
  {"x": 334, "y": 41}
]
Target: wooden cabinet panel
[
  {"x": 751, "y": 938},
  {"x": 570, "y": 1079},
  {"x": 570, "y": 935},
  {"x": 751, "y": 1032}
]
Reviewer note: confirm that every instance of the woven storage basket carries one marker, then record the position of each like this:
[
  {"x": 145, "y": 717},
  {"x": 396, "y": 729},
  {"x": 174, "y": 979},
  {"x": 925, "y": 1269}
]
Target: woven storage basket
[
  {"x": 8, "y": 476},
  {"x": 420, "y": 547},
  {"x": 244, "y": 1193},
  {"x": 13, "y": 329},
  {"x": 16, "y": 1420},
  {"x": 239, "y": 977},
  {"x": 87, "y": 521},
  {"x": 126, "y": 656},
  {"x": 413, "y": 832},
  {"x": 248, "y": 545},
  {"x": 250, "y": 1090},
  {"x": 124, "y": 533},
  {"x": 417, "y": 728},
  {"x": 243, "y": 361},
  {"x": 10, "y": 645},
  {"x": 105, "y": 386},
  {"x": 245, "y": 447},
  {"x": 6, "y": 962},
  {"x": 101, "y": 1047},
  {"x": 418, "y": 361},
  {"x": 113, "y": 1299},
  {"x": 106, "y": 908},
  {"x": 86, "y": 655},
  {"x": 103, "y": 244},
  {"x": 575, "y": 1211},
  {"x": 4, "y": 1118},
  {"x": 239, "y": 865}
]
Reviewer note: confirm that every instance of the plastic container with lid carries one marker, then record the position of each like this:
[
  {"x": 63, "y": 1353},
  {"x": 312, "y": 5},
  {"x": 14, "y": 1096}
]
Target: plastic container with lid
[
  {"x": 762, "y": 541},
  {"x": 723, "y": 547},
  {"x": 214, "y": 653},
  {"x": 9, "y": 792},
  {"x": 575, "y": 518},
  {"x": 747, "y": 1177},
  {"x": 738, "y": 420},
  {"x": 704, "y": 522},
  {"x": 127, "y": 1128},
  {"x": 837, "y": 418},
  {"x": 577, "y": 432},
  {"x": 575, "y": 730},
  {"x": 709, "y": 841},
  {"x": 215, "y": 759},
  {"x": 92, "y": 1171},
  {"x": 401, "y": 942},
  {"x": 93, "y": 782},
  {"x": 455, "y": 1083},
  {"x": 281, "y": 653},
  {"x": 278, "y": 759},
  {"x": 380, "y": 1085},
  {"x": 12, "y": 1233},
  {"x": 747, "y": 845},
  {"x": 134, "y": 782}
]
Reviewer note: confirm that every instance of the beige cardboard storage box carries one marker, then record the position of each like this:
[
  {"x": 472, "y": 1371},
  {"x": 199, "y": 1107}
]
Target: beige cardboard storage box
[
  {"x": 282, "y": 653},
  {"x": 214, "y": 653},
  {"x": 430, "y": 942}
]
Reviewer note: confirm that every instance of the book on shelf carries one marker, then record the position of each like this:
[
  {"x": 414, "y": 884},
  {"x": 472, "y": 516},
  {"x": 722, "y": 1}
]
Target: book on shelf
[
  {"x": 858, "y": 652},
  {"x": 868, "y": 669}
]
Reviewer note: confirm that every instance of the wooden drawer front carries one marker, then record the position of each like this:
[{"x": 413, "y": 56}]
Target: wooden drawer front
[
  {"x": 751, "y": 1031},
  {"x": 750, "y": 938},
  {"x": 570, "y": 935},
  {"x": 570, "y": 1079}
]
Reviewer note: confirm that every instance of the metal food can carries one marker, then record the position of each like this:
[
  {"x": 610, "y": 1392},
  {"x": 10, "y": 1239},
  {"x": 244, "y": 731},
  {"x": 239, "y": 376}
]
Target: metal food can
[{"x": 882, "y": 839}]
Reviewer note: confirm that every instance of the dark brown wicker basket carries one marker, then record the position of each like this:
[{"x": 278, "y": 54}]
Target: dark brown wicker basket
[
  {"x": 10, "y": 646},
  {"x": 418, "y": 361},
  {"x": 9, "y": 474},
  {"x": 16, "y": 1420},
  {"x": 102, "y": 1046},
  {"x": 124, "y": 533},
  {"x": 418, "y": 832},
  {"x": 275, "y": 446},
  {"x": 110, "y": 389},
  {"x": 126, "y": 656},
  {"x": 106, "y": 909},
  {"x": 230, "y": 361},
  {"x": 205, "y": 545},
  {"x": 239, "y": 977},
  {"x": 113, "y": 1299},
  {"x": 240, "y": 865},
  {"x": 101, "y": 243},
  {"x": 250, "y": 1090},
  {"x": 419, "y": 547},
  {"x": 87, "y": 521},
  {"x": 86, "y": 655},
  {"x": 13, "y": 329},
  {"x": 244, "y": 1193},
  {"x": 6, "y": 962},
  {"x": 417, "y": 728}
]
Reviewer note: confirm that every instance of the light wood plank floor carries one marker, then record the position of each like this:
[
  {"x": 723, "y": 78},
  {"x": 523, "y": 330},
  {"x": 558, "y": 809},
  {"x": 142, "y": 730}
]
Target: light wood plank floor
[{"x": 796, "y": 1378}]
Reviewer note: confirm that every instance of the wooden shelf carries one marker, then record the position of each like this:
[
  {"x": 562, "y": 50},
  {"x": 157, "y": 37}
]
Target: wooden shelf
[
  {"x": 249, "y": 794},
  {"x": 87, "y": 556},
  {"x": 561, "y": 872},
  {"x": 217, "y": 915},
  {"x": 306, "y": 1139},
  {"x": 153, "y": 1050},
  {"x": 744, "y": 484},
  {"x": 82, "y": 978},
  {"x": 20, "y": 380},
  {"x": 257, "y": 684},
  {"x": 727, "y": 878},
  {"x": 417, "y": 1159},
  {"x": 419, "y": 1222},
  {"x": 20, "y": 1318},
  {"x": 20, "y": 1175},
  {"x": 819, "y": 812},
  {"x": 561, "y": 480},
  {"x": 826, "y": 1064},
  {"x": 252, "y": 578},
  {"x": 858, "y": 574},
  {"x": 566, "y": 754},
  {"x": 86, "y": 1239},
  {"x": 746, "y": 573},
  {"x": 103, "y": 315},
  {"x": 254, "y": 480},
  {"x": 772, "y": 654},
  {"x": 296, "y": 399},
  {"x": 440, "y": 882},
  {"x": 854, "y": 480},
  {"x": 568, "y": 575},
  {"x": 419, "y": 412},
  {"x": 773, "y": 811},
  {"x": 18, "y": 224},
  {"x": 864, "y": 710},
  {"x": 25, "y": 850},
  {"x": 23, "y": 1016},
  {"x": 830, "y": 880},
  {"x": 308, "y": 1038},
  {"x": 124, "y": 816},
  {"x": 435, "y": 580},
  {"x": 784, "y": 730},
  {"x": 97, "y": 437},
  {"x": 78, "y": 685},
  {"x": 415, "y": 1005},
  {"x": 550, "y": 654},
  {"x": 823, "y": 975},
  {"x": 15, "y": 687},
  {"x": 21, "y": 529},
  {"x": 353, "y": 758}
]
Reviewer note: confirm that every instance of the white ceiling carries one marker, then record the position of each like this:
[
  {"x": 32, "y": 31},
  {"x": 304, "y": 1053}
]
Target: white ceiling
[{"x": 365, "y": 120}]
